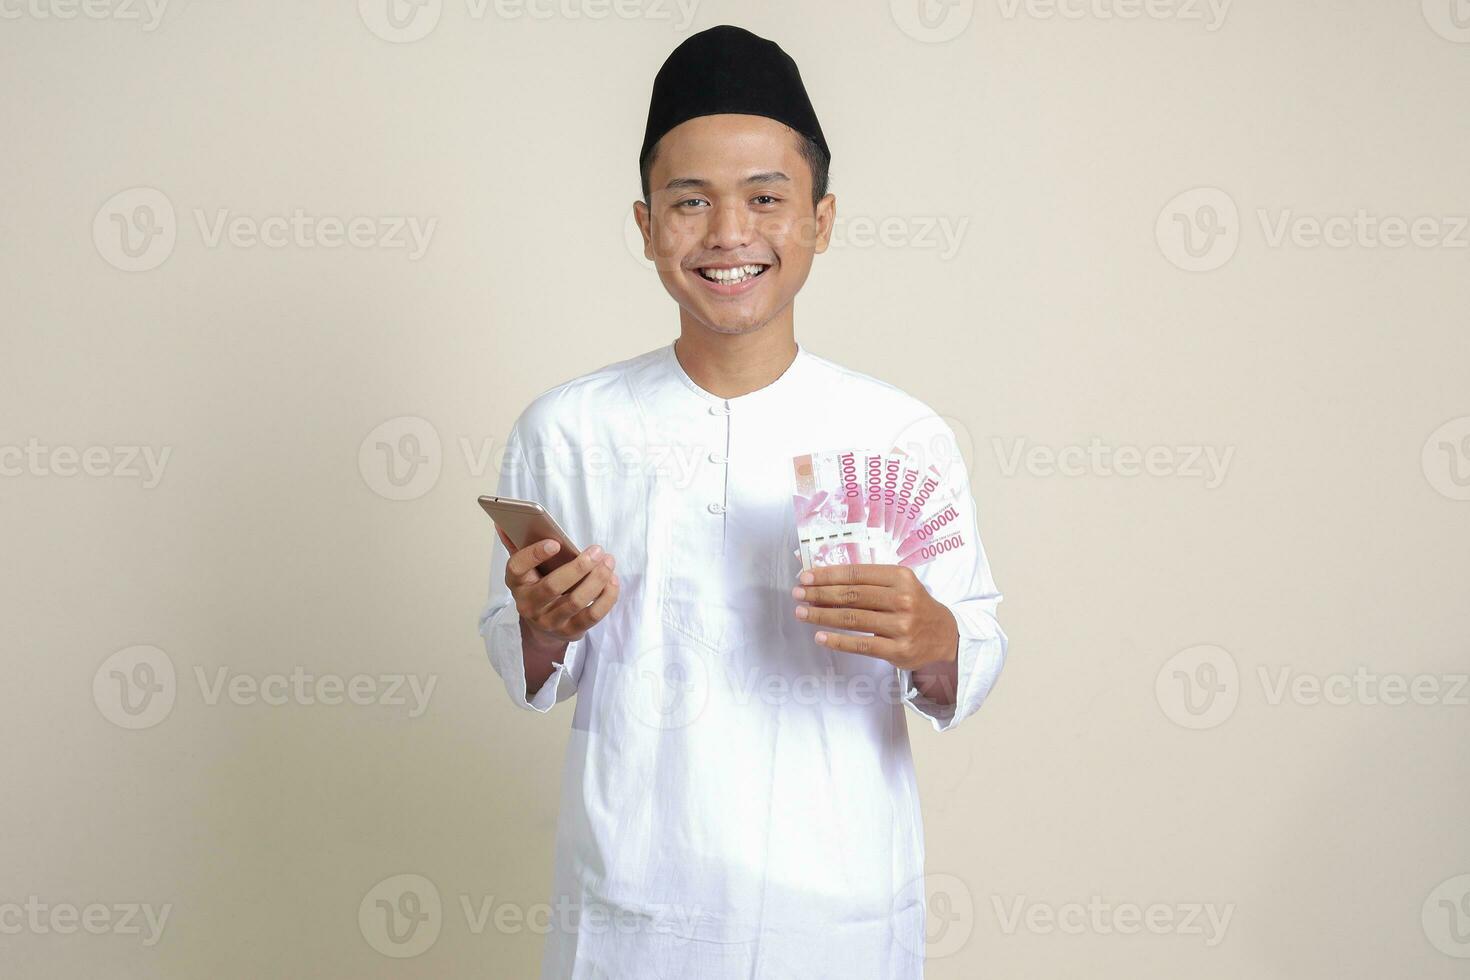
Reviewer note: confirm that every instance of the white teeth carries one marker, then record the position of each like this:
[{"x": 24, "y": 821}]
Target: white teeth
[{"x": 738, "y": 274}]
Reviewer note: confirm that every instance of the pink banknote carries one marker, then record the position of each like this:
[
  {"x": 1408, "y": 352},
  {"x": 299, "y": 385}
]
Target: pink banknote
[
  {"x": 829, "y": 511},
  {"x": 868, "y": 507}
]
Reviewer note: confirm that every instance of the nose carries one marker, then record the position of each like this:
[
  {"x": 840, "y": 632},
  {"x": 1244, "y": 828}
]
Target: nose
[{"x": 728, "y": 227}]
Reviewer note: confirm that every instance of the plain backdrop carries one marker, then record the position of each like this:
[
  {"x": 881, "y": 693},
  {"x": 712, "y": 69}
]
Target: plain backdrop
[{"x": 1084, "y": 233}]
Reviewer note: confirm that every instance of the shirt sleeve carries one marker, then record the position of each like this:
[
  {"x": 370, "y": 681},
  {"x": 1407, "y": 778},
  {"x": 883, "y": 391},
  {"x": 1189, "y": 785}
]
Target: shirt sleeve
[
  {"x": 500, "y": 621},
  {"x": 961, "y": 580}
]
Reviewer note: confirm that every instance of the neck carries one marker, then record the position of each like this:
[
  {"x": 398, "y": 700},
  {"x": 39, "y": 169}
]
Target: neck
[{"x": 728, "y": 365}]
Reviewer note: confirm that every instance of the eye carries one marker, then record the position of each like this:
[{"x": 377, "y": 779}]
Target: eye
[
  {"x": 688, "y": 202},
  {"x": 766, "y": 199}
]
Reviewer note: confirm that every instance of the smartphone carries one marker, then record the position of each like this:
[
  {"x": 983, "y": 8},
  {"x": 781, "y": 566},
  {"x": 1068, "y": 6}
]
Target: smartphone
[{"x": 525, "y": 522}]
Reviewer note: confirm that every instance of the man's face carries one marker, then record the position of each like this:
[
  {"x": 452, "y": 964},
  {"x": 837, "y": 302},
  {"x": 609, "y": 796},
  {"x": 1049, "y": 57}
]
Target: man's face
[{"x": 730, "y": 223}]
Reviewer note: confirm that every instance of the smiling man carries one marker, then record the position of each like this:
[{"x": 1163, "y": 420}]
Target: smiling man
[{"x": 738, "y": 798}]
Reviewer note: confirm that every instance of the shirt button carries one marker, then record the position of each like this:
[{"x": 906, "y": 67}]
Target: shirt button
[
  {"x": 718, "y": 410},
  {"x": 716, "y": 458},
  {"x": 716, "y": 508}
]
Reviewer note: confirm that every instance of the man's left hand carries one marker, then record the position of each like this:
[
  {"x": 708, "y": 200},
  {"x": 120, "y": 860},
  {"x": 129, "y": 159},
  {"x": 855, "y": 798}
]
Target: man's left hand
[{"x": 910, "y": 628}]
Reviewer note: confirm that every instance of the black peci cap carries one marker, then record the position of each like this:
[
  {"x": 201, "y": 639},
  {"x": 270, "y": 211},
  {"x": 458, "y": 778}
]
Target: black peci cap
[{"x": 728, "y": 69}]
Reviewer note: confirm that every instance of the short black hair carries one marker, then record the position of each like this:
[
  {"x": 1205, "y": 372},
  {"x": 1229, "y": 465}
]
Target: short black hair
[{"x": 811, "y": 152}]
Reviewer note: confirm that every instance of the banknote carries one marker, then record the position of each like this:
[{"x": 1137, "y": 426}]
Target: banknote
[{"x": 860, "y": 506}]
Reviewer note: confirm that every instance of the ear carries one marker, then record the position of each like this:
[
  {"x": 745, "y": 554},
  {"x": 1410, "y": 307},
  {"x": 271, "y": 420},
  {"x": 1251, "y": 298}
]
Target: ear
[
  {"x": 826, "y": 218},
  {"x": 642, "y": 215}
]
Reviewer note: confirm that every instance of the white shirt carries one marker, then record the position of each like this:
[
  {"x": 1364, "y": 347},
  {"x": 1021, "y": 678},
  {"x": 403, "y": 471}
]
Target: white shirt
[{"x": 737, "y": 801}]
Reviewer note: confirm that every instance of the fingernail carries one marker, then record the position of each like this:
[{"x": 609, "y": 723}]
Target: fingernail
[
  {"x": 807, "y": 578},
  {"x": 551, "y": 547},
  {"x": 614, "y": 580},
  {"x": 798, "y": 593},
  {"x": 821, "y": 637},
  {"x": 609, "y": 561},
  {"x": 801, "y": 612},
  {"x": 594, "y": 552}
]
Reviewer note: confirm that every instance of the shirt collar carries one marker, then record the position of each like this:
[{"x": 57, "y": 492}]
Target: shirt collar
[{"x": 788, "y": 383}]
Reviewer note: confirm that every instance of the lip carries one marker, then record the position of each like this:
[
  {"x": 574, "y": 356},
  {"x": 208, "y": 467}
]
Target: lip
[{"x": 730, "y": 289}]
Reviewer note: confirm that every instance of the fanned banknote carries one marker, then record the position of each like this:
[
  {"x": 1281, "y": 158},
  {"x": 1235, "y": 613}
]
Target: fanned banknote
[{"x": 856, "y": 506}]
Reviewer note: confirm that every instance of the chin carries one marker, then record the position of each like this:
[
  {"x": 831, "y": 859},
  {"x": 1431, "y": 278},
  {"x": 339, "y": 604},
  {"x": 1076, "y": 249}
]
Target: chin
[{"x": 734, "y": 328}]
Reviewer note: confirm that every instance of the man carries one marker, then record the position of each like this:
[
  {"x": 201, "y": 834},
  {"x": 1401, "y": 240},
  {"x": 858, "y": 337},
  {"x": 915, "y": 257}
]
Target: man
[{"x": 739, "y": 797}]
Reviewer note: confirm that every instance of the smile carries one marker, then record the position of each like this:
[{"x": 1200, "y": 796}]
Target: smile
[{"x": 732, "y": 276}]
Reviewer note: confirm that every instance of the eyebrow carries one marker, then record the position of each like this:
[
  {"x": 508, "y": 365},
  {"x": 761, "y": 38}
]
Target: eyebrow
[{"x": 697, "y": 183}]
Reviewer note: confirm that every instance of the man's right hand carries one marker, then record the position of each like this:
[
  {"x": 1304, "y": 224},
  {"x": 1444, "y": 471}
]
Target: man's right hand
[{"x": 561, "y": 606}]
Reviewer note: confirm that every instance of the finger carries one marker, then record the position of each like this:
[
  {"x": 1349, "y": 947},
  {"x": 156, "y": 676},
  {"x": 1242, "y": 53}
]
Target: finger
[
  {"x": 588, "y": 589},
  {"x": 883, "y": 624},
  {"x": 522, "y": 564},
  {"x": 594, "y": 614},
  {"x": 877, "y": 597},
  {"x": 853, "y": 575},
  {"x": 869, "y": 646},
  {"x": 558, "y": 583}
]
